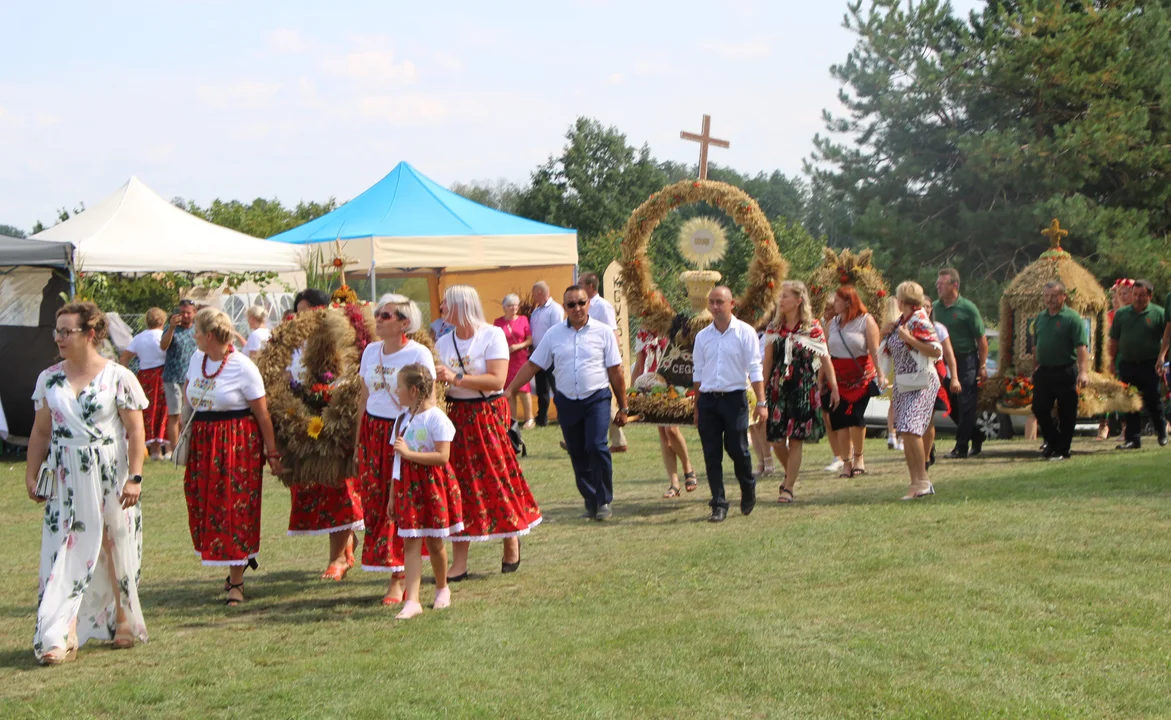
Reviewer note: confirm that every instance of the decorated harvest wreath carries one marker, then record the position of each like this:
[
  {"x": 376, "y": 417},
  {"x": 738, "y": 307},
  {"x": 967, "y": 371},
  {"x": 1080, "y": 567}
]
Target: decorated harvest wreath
[
  {"x": 665, "y": 396},
  {"x": 846, "y": 268}
]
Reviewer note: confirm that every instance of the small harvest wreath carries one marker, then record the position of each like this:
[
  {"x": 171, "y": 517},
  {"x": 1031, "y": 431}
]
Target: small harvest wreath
[
  {"x": 846, "y": 268},
  {"x": 314, "y": 416},
  {"x": 765, "y": 273}
]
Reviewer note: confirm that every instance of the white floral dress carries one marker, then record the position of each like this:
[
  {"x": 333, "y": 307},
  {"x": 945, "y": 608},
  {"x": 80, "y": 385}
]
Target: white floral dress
[{"x": 88, "y": 451}]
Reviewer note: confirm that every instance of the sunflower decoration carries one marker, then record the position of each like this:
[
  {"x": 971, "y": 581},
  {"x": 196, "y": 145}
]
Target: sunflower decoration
[{"x": 846, "y": 268}]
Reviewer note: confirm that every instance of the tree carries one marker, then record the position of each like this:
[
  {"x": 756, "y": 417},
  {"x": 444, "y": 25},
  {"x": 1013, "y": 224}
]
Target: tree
[
  {"x": 262, "y": 218},
  {"x": 501, "y": 195},
  {"x": 966, "y": 137},
  {"x": 12, "y": 231}
]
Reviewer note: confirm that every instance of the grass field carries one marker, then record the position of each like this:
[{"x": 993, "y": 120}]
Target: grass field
[{"x": 1023, "y": 589}]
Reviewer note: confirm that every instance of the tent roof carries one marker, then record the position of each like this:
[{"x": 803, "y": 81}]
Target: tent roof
[
  {"x": 25, "y": 251},
  {"x": 136, "y": 230},
  {"x": 408, "y": 220}
]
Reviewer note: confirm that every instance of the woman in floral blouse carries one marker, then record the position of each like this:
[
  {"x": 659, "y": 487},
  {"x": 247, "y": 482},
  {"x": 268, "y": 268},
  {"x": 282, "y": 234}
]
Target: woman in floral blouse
[{"x": 89, "y": 434}]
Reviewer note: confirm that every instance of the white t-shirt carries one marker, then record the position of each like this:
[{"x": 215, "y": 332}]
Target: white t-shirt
[
  {"x": 421, "y": 432},
  {"x": 487, "y": 344},
  {"x": 256, "y": 341},
  {"x": 380, "y": 373},
  {"x": 146, "y": 346},
  {"x": 941, "y": 332},
  {"x": 230, "y": 390}
]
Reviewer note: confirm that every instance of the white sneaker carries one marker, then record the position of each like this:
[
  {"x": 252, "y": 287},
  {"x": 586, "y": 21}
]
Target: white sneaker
[
  {"x": 899, "y": 445},
  {"x": 167, "y": 457},
  {"x": 835, "y": 466},
  {"x": 890, "y": 443}
]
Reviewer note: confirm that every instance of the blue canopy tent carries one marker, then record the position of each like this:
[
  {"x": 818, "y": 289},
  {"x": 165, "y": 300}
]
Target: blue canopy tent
[{"x": 407, "y": 224}]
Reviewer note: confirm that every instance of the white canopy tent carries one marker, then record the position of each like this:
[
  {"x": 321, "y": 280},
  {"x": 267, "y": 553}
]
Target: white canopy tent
[{"x": 136, "y": 230}]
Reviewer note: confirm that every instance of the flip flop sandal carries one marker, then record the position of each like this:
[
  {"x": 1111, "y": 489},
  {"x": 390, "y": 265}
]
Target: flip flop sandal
[
  {"x": 672, "y": 492},
  {"x": 689, "y": 481},
  {"x": 858, "y": 471}
]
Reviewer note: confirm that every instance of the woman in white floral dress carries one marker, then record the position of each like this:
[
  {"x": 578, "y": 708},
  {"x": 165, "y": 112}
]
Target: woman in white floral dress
[{"x": 89, "y": 429}]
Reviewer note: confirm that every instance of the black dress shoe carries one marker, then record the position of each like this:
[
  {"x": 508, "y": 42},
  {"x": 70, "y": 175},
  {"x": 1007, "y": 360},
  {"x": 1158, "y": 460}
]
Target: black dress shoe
[
  {"x": 590, "y": 513},
  {"x": 1162, "y": 441},
  {"x": 748, "y": 502},
  {"x": 976, "y": 451},
  {"x": 509, "y": 567},
  {"x": 458, "y": 578},
  {"x": 956, "y": 455},
  {"x": 1129, "y": 445},
  {"x": 719, "y": 514}
]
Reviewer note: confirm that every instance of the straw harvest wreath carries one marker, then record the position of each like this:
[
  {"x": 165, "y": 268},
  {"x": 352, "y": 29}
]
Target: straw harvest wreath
[
  {"x": 654, "y": 399},
  {"x": 846, "y": 268}
]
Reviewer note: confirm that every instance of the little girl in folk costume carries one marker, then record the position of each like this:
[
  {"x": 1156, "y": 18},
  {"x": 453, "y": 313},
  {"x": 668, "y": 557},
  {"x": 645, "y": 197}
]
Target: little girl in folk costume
[{"x": 426, "y": 499}]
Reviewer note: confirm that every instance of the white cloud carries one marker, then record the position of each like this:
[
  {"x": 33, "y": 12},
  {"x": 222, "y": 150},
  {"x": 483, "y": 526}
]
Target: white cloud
[
  {"x": 288, "y": 40},
  {"x": 246, "y": 94},
  {"x": 47, "y": 119},
  {"x": 615, "y": 79},
  {"x": 3, "y": 112},
  {"x": 307, "y": 94},
  {"x": 738, "y": 51},
  {"x": 448, "y": 62},
  {"x": 401, "y": 109},
  {"x": 372, "y": 65}
]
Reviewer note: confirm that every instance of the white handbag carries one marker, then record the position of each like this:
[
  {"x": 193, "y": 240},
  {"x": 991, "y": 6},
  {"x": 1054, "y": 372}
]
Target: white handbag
[
  {"x": 46, "y": 482},
  {"x": 183, "y": 444},
  {"x": 921, "y": 378}
]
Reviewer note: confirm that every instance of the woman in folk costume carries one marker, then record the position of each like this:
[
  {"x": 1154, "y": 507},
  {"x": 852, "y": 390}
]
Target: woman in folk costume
[
  {"x": 396, "y": 318},
  {"x": 88, "y": 433},
  {"x": 319, "y": 509},
  {"x": 913, "y": 347},
  {"x": 426, "y": 498},
  {"x": 151, "y": 358},
  {"x": 231, "y": 436},
  {"x": 650, "y": 350},
  {"x": 497, "y": 503},
  {"x": 795, "y": 359}
]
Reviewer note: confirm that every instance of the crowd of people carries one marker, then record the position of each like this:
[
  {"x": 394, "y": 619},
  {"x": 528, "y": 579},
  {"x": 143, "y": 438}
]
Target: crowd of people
[{"x": 425, "y": 475}]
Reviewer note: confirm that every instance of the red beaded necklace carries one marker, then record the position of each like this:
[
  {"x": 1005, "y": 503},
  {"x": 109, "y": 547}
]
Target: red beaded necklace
[{"x": 223, "y": 363}]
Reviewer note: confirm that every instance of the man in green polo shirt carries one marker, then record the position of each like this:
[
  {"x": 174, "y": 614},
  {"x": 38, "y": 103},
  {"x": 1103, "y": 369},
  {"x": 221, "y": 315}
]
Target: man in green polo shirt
[
  {"x": 1063, "y": 361},
  {"x": 964, "y": 323},
  {"x": 1136, "y": 340}
]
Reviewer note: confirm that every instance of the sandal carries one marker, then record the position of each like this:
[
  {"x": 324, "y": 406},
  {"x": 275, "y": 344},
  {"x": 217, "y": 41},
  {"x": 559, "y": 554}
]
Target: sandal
[
  {"x": 857, "y": 470},
  {"x": 231, "y": 601},
  {"x": 336, "y": 571},
  {"x": 672, "y": 492},
  {"x": 786, "y": 501},
  {"x": 250, "y": 564},
  {"x": 689, "y": 481}
]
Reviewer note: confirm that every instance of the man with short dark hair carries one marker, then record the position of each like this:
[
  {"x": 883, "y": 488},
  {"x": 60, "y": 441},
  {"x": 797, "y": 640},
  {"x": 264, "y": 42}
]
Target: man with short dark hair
[
  {"x": 1136, "y": 339},
  {"x": 965, "y": 325},
  {"x": 583, "y": 353},
  {"x": 178, "y": 342},
  {"x": 546, "y": 314},
  {"x": 603, "y": 311},
  {"x": 1063, "y": 361}
]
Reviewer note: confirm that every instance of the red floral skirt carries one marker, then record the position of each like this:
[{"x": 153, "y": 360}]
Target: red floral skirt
[
  {"x": 225, "y": 465},
  {"x": 154, "y": 418},
  {"x": 320, "y": 510},
  {"x": 382, "y": 548},
  {"x": 496, "y": 499},
  {"x": 427, "y": 501}
]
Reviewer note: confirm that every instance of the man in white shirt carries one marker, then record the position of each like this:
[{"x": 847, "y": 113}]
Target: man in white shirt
[
  {"x": 546, "y": 314},
  {"x": 726, "y": 352},
  {"x": 603, "y": 311},
  {"x": 584, "y": 355}
]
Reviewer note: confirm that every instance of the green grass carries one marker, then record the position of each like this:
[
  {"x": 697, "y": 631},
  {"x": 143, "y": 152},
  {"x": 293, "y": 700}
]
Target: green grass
[{"x": 1023, "y": 589}]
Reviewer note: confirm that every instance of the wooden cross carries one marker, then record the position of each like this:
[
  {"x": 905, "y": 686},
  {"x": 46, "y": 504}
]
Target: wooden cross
[
  {"x": 704, "y": 139},
  {"x": 1055, "y": 232}
]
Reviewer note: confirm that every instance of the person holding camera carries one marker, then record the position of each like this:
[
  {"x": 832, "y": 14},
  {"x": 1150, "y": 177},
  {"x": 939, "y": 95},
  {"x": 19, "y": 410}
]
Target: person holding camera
[{"x": 178, "y": 342}]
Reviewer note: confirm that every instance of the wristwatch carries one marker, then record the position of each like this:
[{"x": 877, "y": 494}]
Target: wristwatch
[
  {"x": 762, "y": 404},
  {"x": 136, "y": 479},
  {"x": 459, "y": 376},
  {"x": 624, "y": 411}
]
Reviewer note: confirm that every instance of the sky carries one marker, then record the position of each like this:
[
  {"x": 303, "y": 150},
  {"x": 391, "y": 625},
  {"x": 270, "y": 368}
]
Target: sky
[{"x": 307, "y": 100}]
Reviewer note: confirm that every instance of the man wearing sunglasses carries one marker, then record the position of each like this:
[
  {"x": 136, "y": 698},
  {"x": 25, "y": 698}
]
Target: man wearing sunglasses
[
  {"x": 178, "y": 342},
  {"x": 583, "y": 354}
]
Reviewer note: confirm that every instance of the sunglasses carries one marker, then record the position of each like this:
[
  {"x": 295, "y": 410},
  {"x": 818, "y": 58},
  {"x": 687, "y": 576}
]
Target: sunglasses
[
  {"x": 391, "y": 315},
  {"x": 579, "y": 303}
]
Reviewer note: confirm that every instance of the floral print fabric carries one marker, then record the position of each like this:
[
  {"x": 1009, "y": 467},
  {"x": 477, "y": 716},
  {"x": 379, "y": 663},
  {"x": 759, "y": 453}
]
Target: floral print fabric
[
  {"x": 794, "y": 403},
  {"x": 91, "y": 548},
  {"x": 225, "y": 469}
]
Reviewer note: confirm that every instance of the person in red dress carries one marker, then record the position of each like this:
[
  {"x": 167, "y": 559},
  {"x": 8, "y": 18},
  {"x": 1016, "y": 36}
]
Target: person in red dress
[
  {"x": 427, "y": 501},
  {"x": 395, "y": 318},
  {"x": 151, "y": 358},
  {"x": 519, "y": 335},
  {"x": 231, "y": 435},
  {"x": 497, "y": 503},
  {"x": 323, "y": 509}
]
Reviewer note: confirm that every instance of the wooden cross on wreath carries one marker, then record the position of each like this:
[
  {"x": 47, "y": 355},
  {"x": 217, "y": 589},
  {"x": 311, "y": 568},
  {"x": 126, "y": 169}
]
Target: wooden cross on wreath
[
  {"x": 704, "y": 139},
  {"x": 1055, "y": 233}
]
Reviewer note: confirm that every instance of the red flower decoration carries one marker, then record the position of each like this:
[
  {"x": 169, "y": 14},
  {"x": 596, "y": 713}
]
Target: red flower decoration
[{"x": 882, "y": 293}]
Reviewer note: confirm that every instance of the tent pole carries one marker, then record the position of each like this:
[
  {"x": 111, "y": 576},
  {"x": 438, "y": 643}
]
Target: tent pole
[{"x": 373, "y": 275}]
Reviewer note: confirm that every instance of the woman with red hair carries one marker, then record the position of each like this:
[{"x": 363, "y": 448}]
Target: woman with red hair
[{"x": 853, "y": 340}]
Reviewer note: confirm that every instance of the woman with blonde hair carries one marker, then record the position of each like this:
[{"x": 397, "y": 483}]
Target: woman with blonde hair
[
  {"x": 151, "y": 358},
  {"x": 231, "y": 435},
  {"x": 519, "y": 335},
  {"x": 85, "y": 457},
  {"x": 395, "y": 319},
  {"x": 795, "y": 364},
  {"x": 257, "y": 316},
  {"x": 497, "y": 503},
  {"x": 913, "y": 346}
]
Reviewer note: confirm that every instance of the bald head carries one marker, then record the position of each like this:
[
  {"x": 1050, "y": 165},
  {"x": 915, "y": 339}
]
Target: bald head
[
  {"x": 719, "y": 304},
  {"x": 540, "y": 293}
]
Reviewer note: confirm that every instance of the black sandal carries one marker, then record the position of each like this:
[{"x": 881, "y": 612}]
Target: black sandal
[
  {"x": 250, "y": 564},
  {"x": 233, "y": 602},
  {"x": 689, "y": 481},
  {"x": 782, "y": 499},
  {"x": 672, "y": 492}
]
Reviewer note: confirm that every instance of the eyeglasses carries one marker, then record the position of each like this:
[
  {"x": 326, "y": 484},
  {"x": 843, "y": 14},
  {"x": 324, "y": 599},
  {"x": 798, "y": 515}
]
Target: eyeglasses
[
  {"x": 62, "y": 333},
  {"x": 391, "y": 315},
  {"x": 579, "y": 303},
  {"x": 185, "y": 301}
]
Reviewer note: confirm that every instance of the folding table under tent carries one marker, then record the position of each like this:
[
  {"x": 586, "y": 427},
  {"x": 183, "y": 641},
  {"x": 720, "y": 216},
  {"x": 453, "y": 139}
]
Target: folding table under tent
[{"x": 407, "y": 225}]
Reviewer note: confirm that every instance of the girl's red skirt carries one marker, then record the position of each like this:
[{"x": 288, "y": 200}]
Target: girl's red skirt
[
  {"x": 154, "y": 418},
  {"x": 496, "y": 499},
  {"x": 225, "y": 465},
  {"x": 427, "y": 501},
  {"x": 382, "y": 548},
  {"x": 320, "y": 509}
]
